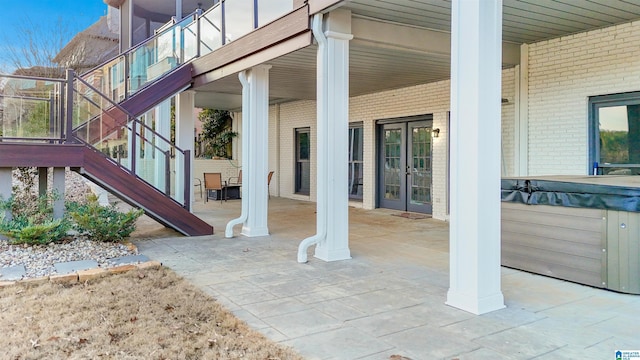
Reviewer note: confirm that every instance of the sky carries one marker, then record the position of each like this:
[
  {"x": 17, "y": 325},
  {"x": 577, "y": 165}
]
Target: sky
[{"x": 76, "y": 14}]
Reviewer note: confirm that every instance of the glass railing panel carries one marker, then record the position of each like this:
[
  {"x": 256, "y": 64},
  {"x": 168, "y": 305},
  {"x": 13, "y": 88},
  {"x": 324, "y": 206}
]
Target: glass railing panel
[
  {"x": 31, "y": 108},
  {"x": 154, "y": 156},
  {"x": 139, "y": 60},
  {"x": 117, "y": 145},
  {"x": 134, "y": 144},
  {"x": 211, "y": 30},
  {"x": 109, "y": 78},
  {"x": 190, "y": 42},
  {"x": 269, "y": 10},
  {"x": 95, "y": 118},
  {"x": 157, "y": 56},
  {"x": 238, "y": 18}
]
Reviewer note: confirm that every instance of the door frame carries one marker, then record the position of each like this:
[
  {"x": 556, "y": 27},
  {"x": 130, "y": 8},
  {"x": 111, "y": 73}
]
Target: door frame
[{"x": 379, "y": 148}]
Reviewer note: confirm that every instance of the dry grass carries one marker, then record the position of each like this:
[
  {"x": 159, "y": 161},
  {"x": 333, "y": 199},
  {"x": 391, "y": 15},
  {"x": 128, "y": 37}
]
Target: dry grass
[{"x": 150, "y": 314}]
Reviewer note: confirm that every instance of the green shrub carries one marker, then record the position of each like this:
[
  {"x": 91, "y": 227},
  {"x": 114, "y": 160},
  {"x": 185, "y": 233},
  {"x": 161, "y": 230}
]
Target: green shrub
[
  {"x": 103, "y": 223},
  {"x": 32, "y": 231},
  {"x": 32, "y": 222}
]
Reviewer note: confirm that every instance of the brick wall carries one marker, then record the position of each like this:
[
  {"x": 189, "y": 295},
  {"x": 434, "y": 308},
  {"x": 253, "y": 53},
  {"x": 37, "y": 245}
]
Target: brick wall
[
  {"x": 415, "y": 100},
  {"x": 563, "y": 73},
  {"x": 293, "y": 115},
  {"x": 508, "y": 122},
  {"x": 430, "y": 98}
]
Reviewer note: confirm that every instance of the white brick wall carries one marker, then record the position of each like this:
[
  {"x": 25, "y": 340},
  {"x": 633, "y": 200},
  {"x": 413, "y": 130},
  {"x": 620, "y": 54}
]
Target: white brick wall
[
  {"x": 508, "y": 122},
  {"x": 293, "y": 115},
  {"x": 563, "y": 73},
  {"x": 415, "y": 100}
]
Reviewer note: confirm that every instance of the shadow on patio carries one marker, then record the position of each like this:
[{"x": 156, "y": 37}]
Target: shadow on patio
[{"x": 389, "y": 299}]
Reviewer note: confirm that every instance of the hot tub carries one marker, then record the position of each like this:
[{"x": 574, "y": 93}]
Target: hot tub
[{"x": 584, "y": 229}]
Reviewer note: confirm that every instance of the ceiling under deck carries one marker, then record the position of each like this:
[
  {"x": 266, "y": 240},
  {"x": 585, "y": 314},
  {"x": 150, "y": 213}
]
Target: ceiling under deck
[
  {"x": 377, "y": 68},
  {"x": 524, "y": 21}
]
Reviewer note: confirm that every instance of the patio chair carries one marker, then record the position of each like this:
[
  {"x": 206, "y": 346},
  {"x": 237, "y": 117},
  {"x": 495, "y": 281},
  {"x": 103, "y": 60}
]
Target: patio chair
[
  {"x": 269, "y": 182},
  {"x": 213, "y": 181},
  {"x": 236, "y": 180},
  {"x": 197, "y": 183}
]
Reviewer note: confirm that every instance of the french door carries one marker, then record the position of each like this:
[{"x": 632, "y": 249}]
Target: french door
[{"x": 405, "y": 166}]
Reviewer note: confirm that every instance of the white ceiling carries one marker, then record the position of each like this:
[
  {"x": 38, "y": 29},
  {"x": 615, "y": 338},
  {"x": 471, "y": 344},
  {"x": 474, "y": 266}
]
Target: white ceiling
[
  {"x": 524, "y": 21},
  {"x": 375, "y": 68}
]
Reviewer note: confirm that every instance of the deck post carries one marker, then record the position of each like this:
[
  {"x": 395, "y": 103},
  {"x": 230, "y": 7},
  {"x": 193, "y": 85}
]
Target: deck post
[
  {"x": 42, "y": 181},
  {"x": 333, "y": 98},
  {"x": 185, "y": 134},
  {"x": 163, "y": 127},
  {"x": 68, "y": 127},
  {"x": 58, "y": 190},
  {"x": 474, "y": 250},
  {"x": 258, "y": 157},
  {"x": 6, "y": 188}
]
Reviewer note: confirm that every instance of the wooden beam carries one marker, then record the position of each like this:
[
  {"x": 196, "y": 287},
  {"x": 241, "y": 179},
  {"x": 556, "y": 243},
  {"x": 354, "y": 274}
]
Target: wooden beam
[{"x": 40, "y": 155}]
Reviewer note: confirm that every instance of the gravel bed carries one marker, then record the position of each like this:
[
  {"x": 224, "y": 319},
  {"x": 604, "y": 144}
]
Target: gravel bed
[{"x": 38, "y": 260}]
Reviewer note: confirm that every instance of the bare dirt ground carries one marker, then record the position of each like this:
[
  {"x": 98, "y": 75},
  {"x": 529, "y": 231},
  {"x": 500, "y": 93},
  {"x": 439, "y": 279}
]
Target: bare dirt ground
[{"x": 143, "y": 314}]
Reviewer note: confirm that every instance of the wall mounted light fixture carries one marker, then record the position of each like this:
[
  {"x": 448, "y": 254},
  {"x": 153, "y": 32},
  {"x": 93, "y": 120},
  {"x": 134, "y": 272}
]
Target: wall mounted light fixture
[{"x": 435, "y": 132}]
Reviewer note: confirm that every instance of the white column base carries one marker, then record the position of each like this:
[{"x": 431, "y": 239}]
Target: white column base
[
  {"x": 255, "y": 231},
  {"x": 332, "y": 254},
  {"x": 474, "y": 305}
]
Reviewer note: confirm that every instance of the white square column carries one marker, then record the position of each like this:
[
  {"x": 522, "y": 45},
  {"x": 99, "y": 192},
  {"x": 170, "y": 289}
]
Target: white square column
[
  {"x": 6, "y": 189},
  {"x": 185, "y": 134},
  {"x": 332, "y": 207},
  {"x": 163, "y": 127},
  {"x": 333, "y": 98},
  {"x": 255, "y": 179},
  {"x": 58, "y": 189},
  {"x": 476, "y": 57}
]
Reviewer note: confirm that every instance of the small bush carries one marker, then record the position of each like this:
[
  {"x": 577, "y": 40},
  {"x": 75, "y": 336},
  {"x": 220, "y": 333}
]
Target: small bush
[
  {"x": 33, "y": 222},
  {"x": 103, "y": 223},
  {"x": 31, "y": 231}
]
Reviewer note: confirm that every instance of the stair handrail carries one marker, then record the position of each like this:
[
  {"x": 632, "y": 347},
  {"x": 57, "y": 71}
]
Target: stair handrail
[
  {"x": 125, "y": 111},
  {"x": 135, "y": 122},
  {"x": 26, "y": 77}
]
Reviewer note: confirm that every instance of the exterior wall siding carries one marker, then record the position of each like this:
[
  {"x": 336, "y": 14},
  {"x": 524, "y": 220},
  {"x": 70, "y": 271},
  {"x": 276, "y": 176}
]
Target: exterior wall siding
[{"x": 563, "y": 73}]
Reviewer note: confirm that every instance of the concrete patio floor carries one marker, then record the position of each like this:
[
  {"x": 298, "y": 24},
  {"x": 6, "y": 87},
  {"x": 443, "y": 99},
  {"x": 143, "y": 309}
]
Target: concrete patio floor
[{"x": 389, "y": 299}]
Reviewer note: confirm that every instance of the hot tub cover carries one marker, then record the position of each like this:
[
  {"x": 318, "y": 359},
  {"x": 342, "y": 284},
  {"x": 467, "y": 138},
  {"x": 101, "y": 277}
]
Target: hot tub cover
[{"x": 620, "y": 193}]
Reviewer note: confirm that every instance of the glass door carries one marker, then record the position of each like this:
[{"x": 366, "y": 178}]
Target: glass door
[
  {"x": 405, "y": 166},
  {"x": 303, "y": 165},
  {"x": 419, "y": 167},
  {"x": 393, "y": 180}
]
